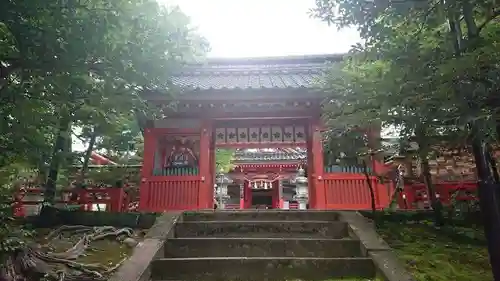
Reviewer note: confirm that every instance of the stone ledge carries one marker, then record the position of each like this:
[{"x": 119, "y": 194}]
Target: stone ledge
[
  {"x": 138, "y": 266},
  {"x": 388, "y": 265},
  {"x": 161, "y": 229},
  {"x": 364, "y": 231}
]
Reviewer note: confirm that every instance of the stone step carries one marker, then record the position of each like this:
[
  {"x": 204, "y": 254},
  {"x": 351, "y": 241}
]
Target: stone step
[
  {"x": 261, "y": 215},
  {"x": 269, "y": 268},
  {"x": 262, "y": 247},
  {"x": 263, "y": 229}
]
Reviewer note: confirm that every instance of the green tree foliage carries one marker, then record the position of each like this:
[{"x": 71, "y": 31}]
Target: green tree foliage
[
  {"x": 223, "y": 160},
  {"x": 407, "y": 74},
  {"x": 70, "y": 66},
  {"x": 428, "y": 67},
  {"x": 82, "y": 64}
]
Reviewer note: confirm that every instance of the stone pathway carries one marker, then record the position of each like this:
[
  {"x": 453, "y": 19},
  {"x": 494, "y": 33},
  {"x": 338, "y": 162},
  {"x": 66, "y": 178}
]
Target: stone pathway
[{"x": 261, "y": 245}]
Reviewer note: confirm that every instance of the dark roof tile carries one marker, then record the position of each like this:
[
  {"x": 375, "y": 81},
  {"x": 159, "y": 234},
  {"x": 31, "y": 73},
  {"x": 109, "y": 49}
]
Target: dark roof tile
[{"x": 281, "y": 73}]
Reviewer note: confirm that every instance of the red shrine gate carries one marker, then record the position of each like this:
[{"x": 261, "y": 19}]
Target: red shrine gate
[
  {"x": 264, "y": 174},
  {"x": 247, "y": 103}
]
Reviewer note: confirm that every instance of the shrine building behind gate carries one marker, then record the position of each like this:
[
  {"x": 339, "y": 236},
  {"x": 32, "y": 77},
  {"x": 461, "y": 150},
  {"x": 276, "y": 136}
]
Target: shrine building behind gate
[
  {"x": 263, "y": 178},
  {"x": 242, "y": 104}
]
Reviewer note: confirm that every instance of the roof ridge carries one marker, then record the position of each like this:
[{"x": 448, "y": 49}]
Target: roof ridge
[
  {"x": 262, "y": 73},
  {"x": 267, "y": 59},
  {"x": 254, "y": 69}
]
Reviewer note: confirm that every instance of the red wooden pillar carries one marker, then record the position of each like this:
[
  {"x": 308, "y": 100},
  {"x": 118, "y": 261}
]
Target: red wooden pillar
[
  {"x": 310, "y": 165},
  {"x": 242, "y": 194},
  {"x": 281, "y": 202},
  {"x": 150, "y": 143},
  {"x": 205, "y": 197},
  {"x": 212, "y": 171},
  {"x": 315, "y": 168},
  {"x": 273, "y": 195},
  {"x": 248, "y": 195},
  {"x": 276, "y": 194}
]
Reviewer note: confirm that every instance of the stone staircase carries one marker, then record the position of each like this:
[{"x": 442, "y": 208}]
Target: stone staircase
[{"x": 262, "y": 245}]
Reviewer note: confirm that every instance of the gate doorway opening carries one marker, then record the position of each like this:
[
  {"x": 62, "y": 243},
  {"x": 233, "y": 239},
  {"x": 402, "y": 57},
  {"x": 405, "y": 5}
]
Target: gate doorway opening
[
  {"x": 257, "y": 178},
  {"x": 262, "y": 199}
]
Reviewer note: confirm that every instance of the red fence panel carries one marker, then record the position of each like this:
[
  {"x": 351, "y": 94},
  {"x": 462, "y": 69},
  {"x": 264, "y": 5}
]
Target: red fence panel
[
  {"x": 113, "y": 198},
  {"x": 164, "y": 193},
  {"x": 415, "y": 196},
  {"x": 29, "y": 201},
  {"x": 351, "y": 192}
]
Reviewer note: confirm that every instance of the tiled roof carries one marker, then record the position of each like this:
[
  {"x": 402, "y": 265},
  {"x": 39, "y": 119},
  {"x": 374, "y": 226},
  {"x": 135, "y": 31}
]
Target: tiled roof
[
  {"x": 255, "y": 73},
  {"x": 268, "y": 155}
]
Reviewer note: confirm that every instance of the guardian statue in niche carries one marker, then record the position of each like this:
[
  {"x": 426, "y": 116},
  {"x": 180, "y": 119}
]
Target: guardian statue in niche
[{"x": 181, "y": 152}]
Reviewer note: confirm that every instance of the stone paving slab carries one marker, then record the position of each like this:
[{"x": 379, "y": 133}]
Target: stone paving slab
[
  {"x": 262, "y": 247},
  {"x": 261, "y": 215},
  {"x": 262, "y": 269},
  {"x": 263, "y": 229}
]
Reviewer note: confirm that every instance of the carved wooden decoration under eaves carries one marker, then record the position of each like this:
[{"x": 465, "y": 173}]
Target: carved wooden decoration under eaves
[{"x": 264, "y": 134}]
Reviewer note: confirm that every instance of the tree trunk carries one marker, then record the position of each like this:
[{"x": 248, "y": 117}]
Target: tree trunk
[
  {"x": 489, "y": 200},
  {"x": 399, "y": 187},
  {"x": 85, "y": 166},
  {"x": 493, "y": 163},
  {"x": 489, "y": 189},
  {"x": 57, "y": 157},
  {"x": 436, "y": 205},
  {"x": 88, "y": 153},
  {"x": 372, "y": 192},
  {"x": 423, "y": 153}
]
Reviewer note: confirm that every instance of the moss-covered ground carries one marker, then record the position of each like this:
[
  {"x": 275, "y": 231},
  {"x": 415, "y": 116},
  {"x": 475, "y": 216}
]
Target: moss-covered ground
[{"x": 445, "y": 254}]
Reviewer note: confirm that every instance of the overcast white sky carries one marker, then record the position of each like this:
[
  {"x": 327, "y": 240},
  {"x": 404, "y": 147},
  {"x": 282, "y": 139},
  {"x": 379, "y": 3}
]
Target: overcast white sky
[{"x": 256, "y": 28}]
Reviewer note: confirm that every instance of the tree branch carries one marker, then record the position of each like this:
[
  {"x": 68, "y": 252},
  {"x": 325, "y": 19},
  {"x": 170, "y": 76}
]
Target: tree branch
[{"x": 492, "y": 16}]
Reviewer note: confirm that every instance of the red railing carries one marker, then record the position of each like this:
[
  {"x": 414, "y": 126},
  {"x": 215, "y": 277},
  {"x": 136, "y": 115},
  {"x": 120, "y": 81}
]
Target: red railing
[
  {"x": 114, "y": 199},
  {"x": 162, "y": 193},
  {"x": 415, "y": 196},
  {"x": 345, "y": 191}
]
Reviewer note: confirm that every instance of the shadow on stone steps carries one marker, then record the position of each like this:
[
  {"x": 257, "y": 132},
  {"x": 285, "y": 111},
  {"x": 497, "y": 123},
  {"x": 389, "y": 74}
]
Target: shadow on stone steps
[
  {"x": 263, "y": 215},
  {"x": 262, "y": 247},
  {"x": 262, "y": 269},
  {"x": 263, "y": 229}
]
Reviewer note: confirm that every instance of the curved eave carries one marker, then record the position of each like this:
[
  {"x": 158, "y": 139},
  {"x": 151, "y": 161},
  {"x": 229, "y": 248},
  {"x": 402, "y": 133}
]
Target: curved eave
[
  {"x": 269, "y": 161},
  {"x": 268, "y": 165},
  {"x": 200, "y": 94}
]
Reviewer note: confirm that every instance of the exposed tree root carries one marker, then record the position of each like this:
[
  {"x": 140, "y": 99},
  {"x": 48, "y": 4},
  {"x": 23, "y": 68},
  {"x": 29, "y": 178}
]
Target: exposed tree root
[{"x": 31, "y": 264}]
